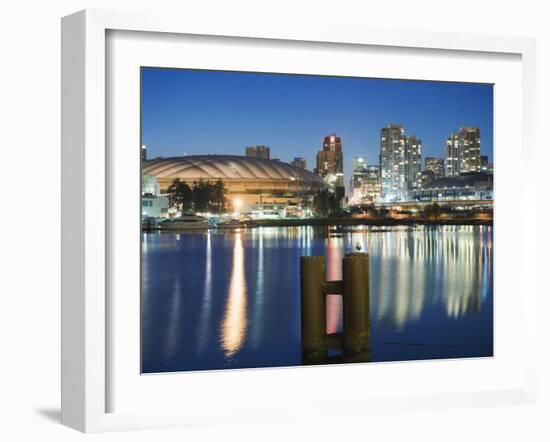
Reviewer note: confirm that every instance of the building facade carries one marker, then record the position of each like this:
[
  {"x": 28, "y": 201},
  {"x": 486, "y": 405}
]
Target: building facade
[
  {"x": 400, "y": 163},
  {"x": 435, "y": 165},
  {"x": 330, "y": 164},
  {"x": 153, "y": 204},
  {"x": 299, "y": 162},
  {"x": 413, "y": 162},
  {"x": 371, "y": 185},
  {"x": 392, "y": 163},
  {"x": 462, "y": 152},
  {"x": 258, "y": 151},
  {"x": 466, "y": 187},
  {"x": 358, "y": 176}
]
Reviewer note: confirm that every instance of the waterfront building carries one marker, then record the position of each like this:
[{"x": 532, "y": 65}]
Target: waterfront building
[
  {"x": 299, "y": 162},
  {"x": 435, "y": 165},
  {"x": 330, "y": 164},
  {"x": 258, "y": 151},
  {"x": 462, "y": 152},
  {"x": 465, "y": 187},
  {"x": 153, "y": 204},
  {"x": 250, "y": 182}
]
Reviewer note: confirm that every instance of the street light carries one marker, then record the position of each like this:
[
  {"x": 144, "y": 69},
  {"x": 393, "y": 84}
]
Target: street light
[{"x": 236, "y": 205}]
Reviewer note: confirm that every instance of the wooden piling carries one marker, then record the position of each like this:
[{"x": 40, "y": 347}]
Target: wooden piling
[
  {"x": 313, "y": 310},
  {"x": 356, "y": 309}
]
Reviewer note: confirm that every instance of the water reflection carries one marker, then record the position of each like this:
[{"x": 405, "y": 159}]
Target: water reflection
[
  {"x": 235, "y": 322},
  {"x": 206, "y": 308},
  {"x": 231, "y": 299},
  {"x": 258, "y": 320},
  {"x": 426, "y": 266}
]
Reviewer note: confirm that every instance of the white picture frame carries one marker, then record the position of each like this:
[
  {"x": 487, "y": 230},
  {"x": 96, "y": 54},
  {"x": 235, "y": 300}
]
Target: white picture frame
[{"x": 86, "y": 316}]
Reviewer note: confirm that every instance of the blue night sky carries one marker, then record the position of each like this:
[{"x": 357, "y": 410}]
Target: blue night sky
[{"x": 212, "y": 112}]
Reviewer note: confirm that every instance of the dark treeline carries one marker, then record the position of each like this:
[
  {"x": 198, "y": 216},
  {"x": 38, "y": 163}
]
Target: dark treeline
[
  {"x": 203, "y": 196},
  {"x": 325, "y": 203}
]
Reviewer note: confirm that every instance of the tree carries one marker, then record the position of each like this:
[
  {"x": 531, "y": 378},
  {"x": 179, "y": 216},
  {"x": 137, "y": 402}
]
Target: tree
[
  {"x": 180, "y": 196},
  {"x": 325, "y": 203},
  {"x": 432, "y": 210},
  {"x": 219, "y": 199},
  {"x": 202, "y": 196}
]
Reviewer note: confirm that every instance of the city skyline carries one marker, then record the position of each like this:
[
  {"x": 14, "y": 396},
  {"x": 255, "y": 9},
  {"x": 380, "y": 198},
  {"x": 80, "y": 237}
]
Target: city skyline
[{"x": 190, "y": 112}]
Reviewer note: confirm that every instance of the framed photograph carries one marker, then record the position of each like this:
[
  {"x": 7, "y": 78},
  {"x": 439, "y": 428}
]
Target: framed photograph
[{"x": 261, "y": 222}]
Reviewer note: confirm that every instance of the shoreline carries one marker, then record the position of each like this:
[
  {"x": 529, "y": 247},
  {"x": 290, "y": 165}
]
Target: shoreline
[
  {"x": 345, "y": 221},
  {"x": 369, "y": 222}
]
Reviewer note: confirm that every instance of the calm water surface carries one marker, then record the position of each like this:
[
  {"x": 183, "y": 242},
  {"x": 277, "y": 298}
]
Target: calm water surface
[{"x": 218, "y": 300}]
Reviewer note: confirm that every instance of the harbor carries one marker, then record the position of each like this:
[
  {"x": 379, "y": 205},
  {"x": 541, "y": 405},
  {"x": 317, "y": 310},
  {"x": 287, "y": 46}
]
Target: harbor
[{"x": 219, "y": 299}]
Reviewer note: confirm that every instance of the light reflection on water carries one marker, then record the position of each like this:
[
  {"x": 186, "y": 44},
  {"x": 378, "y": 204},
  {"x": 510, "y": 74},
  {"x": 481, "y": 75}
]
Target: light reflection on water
[
  {"x": 235, "y": 321},
  {"x": 231, "y": 299}
]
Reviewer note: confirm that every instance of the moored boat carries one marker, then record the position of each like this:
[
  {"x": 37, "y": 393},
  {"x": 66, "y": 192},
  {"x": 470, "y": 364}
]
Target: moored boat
[
  {"x": 230, "y": 224},
  {"x": 186, "y": 222}
]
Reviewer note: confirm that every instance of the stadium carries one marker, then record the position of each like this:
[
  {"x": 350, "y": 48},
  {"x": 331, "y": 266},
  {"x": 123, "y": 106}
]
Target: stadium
[{"x": 251, "y": 182}]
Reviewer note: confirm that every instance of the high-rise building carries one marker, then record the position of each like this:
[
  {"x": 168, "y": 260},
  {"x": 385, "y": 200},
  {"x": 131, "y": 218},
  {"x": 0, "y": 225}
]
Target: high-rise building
[
  {"x": 299, "y": 162},
  {"x": 143, "y": 152},
  {"x": 364, "y": 182},
  {"x": 358, "y": 176},
  {"x": 372, "y": 184},
  {"x": 400, "y": 163},
  {"x": 413, "y": 162},
  {"x": 258, "y": 152},
  {"x": 359, "y": 164},
  {"x": 436, "y": 166},
  {"x": 358, "y": 172},
  {"x": 463, "y": 152},
  {"x": 392, "y": 163},
  {"x": 330, "y": 164}
]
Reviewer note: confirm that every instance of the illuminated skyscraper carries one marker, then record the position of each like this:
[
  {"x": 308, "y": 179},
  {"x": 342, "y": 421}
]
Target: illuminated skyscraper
[
  {"x": 463, "y": 152},
  {"x": 413, "y": 162},
  {"x": 258, "y": 152},
  {"x": 392, "y": 163},
  {"x": 330, "y": 164},
  {"x": 400, "y": 163}
]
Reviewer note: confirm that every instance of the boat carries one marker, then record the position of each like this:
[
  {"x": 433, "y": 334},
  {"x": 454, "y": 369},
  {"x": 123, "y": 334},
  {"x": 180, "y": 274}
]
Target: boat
[
  {"x": 186, "y": 222},
  {"x": 230, "y": 224},
  {"x": 150, "y": 223}
]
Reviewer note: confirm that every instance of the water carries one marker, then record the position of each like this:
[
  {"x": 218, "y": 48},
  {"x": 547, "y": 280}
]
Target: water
[{"x": 231, "y": 299}]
